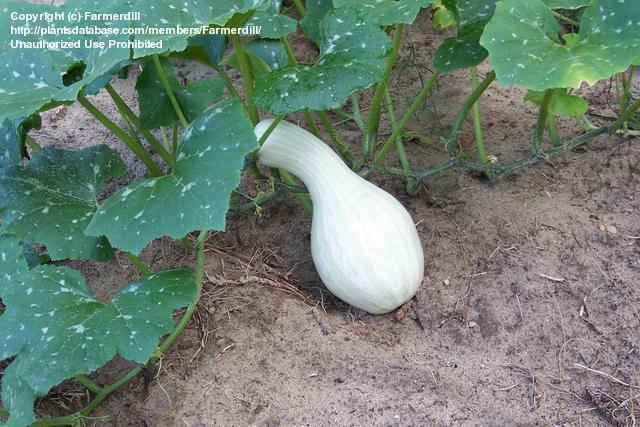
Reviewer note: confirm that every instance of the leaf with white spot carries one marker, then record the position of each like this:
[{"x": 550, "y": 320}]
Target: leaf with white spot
[
  {"x": 464, "y": 49},
  {"x": 561, "y": 104},
  {"x": 185, "y": 14},
  {"x": 12, "y": 261},
  {"x": 194, "y": 196},
  {"x": 58, "y": 329},
  {"x": 17, "y": 397},
  {"x": 525, "y": 49},
  {"x": 387, "y": 12},
  {"x": 155, "y": 107},
  {"x": 272, "y": 52},
  {"x": 351, "y": 58},
  {"x": 274, "y": 25},
  {"x": 316, "y": 11},
  {"x": 205, "y": 48},
  {"x": 52, "y": 199},
  {"x": 11, "y": 144},
  {"x": 566, "y": 4},
  {"x": 32, "y": 75}
]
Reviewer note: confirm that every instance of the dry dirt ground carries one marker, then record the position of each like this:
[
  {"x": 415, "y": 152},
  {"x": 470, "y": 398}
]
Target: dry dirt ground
[{"x": 529, "y": 313}]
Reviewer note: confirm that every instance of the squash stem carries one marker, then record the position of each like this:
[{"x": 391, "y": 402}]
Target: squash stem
[
  {"x": 125, "y": 111},
  {"x": 133, "y": 145},
  {"x": 475, "y": 112},
  {"x": 302, "y": 198},
  {"x": 87, "y": 383},
  {"x": 342, "y": 148},
  {"x": 170, "y": 94},
  {"x": 227, "y": 81},
  {"x": 373, "y": 118},
  {"x": 450, "y": 144},
  {"x": 312, "y": 124},
  {"x": 417, "y": 102},
  {"x": 139, "y": 264},
  {"x": 402, "y": 154},
  {"x": 536, "y": 141},
  {"x": 247, "y": 77},
  {"x": 357, "y": 115},
  {"x": 624, "y": 117},
  {"x": 553, "y": 130}
]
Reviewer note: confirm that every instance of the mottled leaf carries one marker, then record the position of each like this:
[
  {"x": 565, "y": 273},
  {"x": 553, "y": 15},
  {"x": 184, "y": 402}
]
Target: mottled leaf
[
  {"x": 464, "y": 49},
  {"x": 59, "y": 329},
  {"x": 274, "y": 24},
  {"x": 525, "y": 49},
  {"x": 387, "y": 12},
  {"x": 52, "y": 199},
  {"x": 11, "y": 143},
  {"x": 316, "y": 11},
  {"x": 205, "y": 48},
  {"x": 17, "y": 397},
  {"x": 194, "y": 196},
  {"x": 566, "y": 4},
  {"x": 351, "y": 58},
  {"x": 155, "y": 107}
]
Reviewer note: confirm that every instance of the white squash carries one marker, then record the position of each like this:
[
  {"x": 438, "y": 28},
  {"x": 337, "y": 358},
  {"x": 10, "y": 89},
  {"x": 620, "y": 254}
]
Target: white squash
[{"x": 364, "y": 243}]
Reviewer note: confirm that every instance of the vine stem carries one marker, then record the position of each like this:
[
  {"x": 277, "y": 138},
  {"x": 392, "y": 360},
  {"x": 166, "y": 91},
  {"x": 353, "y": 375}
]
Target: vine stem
[
  {"x": 624, "y": 116},
  {"x": 312, "y": 124},
  {"x": 170, "y": 94},
  {"x": 135, "y": 120},
  {"x": 300, "y": 7},
  {"x": 475, "y": 112},
  {"x": 247, "y": 78},
  {"x": 227, "y": 81},
  {"x": 373, "y": 118},
  {"x": 424, "y": 93},
  {"x": 88, "y": 384},
  {"x": 132, "y": 144},
  {"x": 552, "y": 127},
  {"x": 270, "y": 130},
  {"x": 32, "y": 143},
  {"x": 402, "y": 154},
  {"x": 302, "y": 198},
  {"x": 464, "y": 111},
  {"x": 138, "y": 264},
  {"x": 536, "y": 141},
  {"x": 566, "y": 19}
]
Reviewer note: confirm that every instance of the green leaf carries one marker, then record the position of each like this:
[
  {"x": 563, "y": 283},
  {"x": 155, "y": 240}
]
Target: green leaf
[
  {"x": 59, "y": 329},
  {"x": 208, "y": 49},
  {"x": 11, "y": 143},
  {"x": 274, "y": 25},
  {"x": 12, "y": 261},
  {"x": 316, "y": 11},
  {"x": 155, "y": 107},
  {"x": 561, "y": 104},
  {"x": 256, "y": 64},
  {"x": 443, "y": 17},
  {"x": 351, "y": 59},
  {"x": 52, "y": 199},
  {"x": 525, "y": 49},
  {"x": 566, "y": 4},
  {"x": 272, "y": 52},
  {"x": 194, "y": 196},
  {"x": 387, "y": 12},
  {"x": 17, "y": 397},
  {"x": 459, "y": 52},
  {"x": 185, "y": 14},
  {"x": 464, "y": 50},
  {"x": 33, "y": 76},
  {"x": 120, "y": 70}
]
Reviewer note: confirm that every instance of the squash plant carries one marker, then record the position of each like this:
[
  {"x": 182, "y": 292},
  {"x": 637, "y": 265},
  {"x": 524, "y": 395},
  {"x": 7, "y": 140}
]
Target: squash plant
[{"x": 196, "y": 139}]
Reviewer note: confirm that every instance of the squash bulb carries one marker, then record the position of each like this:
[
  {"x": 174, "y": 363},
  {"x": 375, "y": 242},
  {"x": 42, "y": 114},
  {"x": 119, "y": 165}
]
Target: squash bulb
[{"x": 364, "y": 243}]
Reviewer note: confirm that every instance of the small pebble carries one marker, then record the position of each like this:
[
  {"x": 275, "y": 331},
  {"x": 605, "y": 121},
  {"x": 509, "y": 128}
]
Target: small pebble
[
  {"x": 446, "y": 281},
  {"x": 472, "y": 324},
  {"x": 612, "y": 229}
]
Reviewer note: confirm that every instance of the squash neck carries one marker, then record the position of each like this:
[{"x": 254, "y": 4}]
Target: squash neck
[{"x": 294, "y": 149}]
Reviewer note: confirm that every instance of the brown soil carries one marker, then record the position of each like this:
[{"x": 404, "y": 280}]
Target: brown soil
[{"x": 529, "y": 312}]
